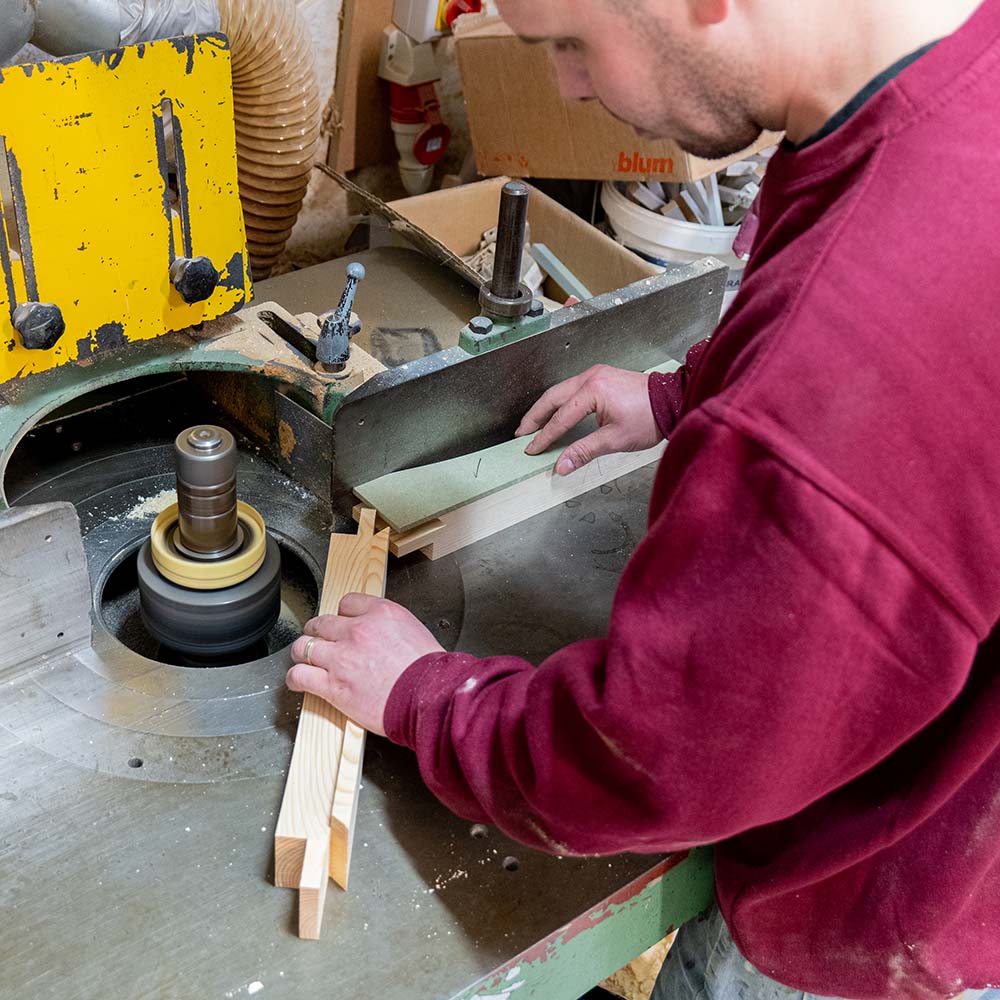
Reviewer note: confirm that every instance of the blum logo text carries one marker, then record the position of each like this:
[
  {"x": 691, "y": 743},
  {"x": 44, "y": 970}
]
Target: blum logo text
[{"x": 636, "y": 164}]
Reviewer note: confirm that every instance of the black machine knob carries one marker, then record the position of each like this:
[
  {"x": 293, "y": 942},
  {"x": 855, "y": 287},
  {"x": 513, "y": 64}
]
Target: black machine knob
[
  {"x": 195, "y": 278},
  {"x": 40, "y": 325}
]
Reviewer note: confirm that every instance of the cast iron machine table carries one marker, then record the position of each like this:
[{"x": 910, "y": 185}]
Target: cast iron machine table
[{"x": 138, "y": 798}]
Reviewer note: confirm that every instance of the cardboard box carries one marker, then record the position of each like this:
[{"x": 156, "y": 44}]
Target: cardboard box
[
  {"x": 522, "y": 127},
  {"x": 358, "y": 116},
  {"x": 459, "y": 216}
]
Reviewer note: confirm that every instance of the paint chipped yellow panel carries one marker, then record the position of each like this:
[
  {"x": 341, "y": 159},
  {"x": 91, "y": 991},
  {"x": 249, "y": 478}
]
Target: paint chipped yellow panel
[{"x": 86, "y": 154}]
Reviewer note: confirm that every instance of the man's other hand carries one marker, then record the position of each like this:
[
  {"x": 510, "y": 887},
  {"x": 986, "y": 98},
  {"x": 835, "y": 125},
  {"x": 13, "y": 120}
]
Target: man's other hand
[
  {"x": 357, "y": 656},
  {"x": 624, "y": 416}
]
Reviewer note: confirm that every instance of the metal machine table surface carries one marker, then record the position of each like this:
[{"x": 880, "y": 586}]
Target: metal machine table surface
[{"x": 119, "y": 882}]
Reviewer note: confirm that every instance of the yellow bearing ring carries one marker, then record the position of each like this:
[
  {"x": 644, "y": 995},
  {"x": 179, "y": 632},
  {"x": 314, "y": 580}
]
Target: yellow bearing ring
[{"x": 209, "y": 574}]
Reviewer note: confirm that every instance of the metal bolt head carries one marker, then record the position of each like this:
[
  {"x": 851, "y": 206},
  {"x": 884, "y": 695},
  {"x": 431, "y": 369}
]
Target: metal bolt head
[
  {"x": 205, "y": 438},
  {"x": 537, "y": 309},
  {"x": 481, "y": 325},
  {"x": 195, "y": 278},
  {"x": 40, "y": 325}
]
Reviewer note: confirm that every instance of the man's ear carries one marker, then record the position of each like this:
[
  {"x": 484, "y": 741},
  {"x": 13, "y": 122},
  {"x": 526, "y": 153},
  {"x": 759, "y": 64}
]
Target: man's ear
[{"x": 708, "y": 12}]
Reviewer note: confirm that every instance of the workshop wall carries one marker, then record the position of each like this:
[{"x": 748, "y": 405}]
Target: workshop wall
[{"x": 323, "y": 18}]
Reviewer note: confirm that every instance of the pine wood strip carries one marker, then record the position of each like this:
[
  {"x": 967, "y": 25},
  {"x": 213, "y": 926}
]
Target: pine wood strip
[
  {"x": 313, "y": 884},
  {"x": 403, "y": 543},
  {"x": 346, "y": 795},
  {"x": 355, "y": 564},
  {"x": 344, "y": 814}
]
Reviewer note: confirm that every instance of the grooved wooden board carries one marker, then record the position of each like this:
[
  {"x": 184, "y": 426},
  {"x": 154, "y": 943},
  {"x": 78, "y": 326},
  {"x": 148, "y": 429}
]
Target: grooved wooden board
[
  {"x": 363, "y": 564},
  {"x": 305, "y": 835},
  {"x": 312, "y": 776},
  {"x": 355, "y": 564}
]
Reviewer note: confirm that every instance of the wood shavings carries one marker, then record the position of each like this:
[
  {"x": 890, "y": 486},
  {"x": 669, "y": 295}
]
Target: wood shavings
[{"x": 636, "y": 980}]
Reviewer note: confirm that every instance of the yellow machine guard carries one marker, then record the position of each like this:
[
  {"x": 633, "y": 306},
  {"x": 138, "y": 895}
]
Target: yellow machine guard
[{"x": 112, "y": 165}]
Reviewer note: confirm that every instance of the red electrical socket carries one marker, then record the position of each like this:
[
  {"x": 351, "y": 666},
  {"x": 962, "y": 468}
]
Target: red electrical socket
[
  {"x": 458, "y": 7},
  {"x": 419, "y": 104}
]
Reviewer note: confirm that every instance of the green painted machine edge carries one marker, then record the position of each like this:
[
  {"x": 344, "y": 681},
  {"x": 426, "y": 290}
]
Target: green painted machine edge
[
  {"x": 578, "y": 957},
  {"x": 504, "y": 332},
  {"x": 27, "y": 401}
]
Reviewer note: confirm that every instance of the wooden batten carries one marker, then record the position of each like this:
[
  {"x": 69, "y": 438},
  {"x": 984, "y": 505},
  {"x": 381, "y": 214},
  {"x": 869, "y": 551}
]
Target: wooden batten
[{"x": 315, "y": 826}]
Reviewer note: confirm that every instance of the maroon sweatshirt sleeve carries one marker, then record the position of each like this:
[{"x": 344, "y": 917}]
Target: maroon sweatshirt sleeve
[
  {"x": 667, "y": 389},
  {"x": 764, "y": 648}
]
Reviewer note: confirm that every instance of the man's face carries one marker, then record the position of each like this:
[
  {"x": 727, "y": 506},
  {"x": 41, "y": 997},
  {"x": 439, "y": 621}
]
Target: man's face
[{"x": 651, "y": 63}]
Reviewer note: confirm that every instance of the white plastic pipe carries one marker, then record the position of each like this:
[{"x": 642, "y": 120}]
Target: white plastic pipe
[
  {"x": 65, "y": 27},
  {"x": 17, "y": 25}
]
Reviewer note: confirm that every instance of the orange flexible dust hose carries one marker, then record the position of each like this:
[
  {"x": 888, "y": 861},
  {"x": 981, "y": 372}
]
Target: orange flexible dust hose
[{"x": 277, "y": 119}]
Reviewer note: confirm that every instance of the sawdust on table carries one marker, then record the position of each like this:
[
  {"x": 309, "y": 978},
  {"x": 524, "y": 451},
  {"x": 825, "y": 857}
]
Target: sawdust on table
[{"x": 152, "y": 505}]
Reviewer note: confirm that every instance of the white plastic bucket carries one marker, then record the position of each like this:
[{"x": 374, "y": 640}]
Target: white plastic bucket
[{"x": 668, "y": 242}]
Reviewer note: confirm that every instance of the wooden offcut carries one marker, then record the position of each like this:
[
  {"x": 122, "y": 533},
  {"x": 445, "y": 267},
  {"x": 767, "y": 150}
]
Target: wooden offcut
[
  {"x": 315, "y": 827},
  {"x": 313, "y": 883},
  {"x": 358, "y": 114},
  {"x": 44, "y": 588}
]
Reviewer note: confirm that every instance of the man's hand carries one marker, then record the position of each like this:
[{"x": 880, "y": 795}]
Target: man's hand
[
  {"x": 624, "y": 415},
  {"x": 358, "y": 655}
]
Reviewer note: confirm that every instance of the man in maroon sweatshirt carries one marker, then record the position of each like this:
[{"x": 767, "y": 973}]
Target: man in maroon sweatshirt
[{"x": 803, "y": 662}]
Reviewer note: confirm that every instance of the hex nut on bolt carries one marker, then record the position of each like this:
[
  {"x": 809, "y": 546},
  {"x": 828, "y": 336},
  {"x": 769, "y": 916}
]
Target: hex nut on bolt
[
  {"x": 481, "y": 325},
  {"x": 40, "y": 325},
  {"x": 195, "y": 278}
]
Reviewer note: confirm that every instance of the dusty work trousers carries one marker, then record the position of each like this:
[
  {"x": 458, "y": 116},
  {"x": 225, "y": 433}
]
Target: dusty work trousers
[{"x": 704, "y": 964}]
